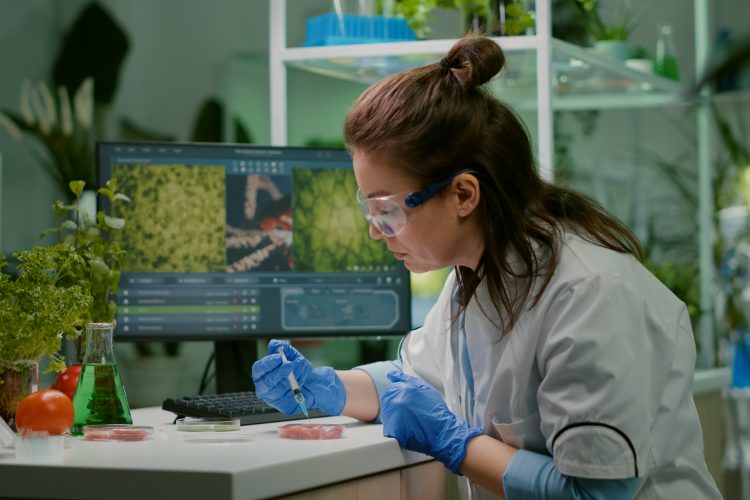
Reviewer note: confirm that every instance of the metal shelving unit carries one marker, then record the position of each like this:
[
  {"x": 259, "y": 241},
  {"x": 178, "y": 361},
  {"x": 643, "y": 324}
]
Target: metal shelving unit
[
  {"x": 543, "y": 75},
  {"x": 370, "y": 62}
]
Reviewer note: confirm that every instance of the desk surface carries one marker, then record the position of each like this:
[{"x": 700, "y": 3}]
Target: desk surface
[{"x": 250, "y": 463}]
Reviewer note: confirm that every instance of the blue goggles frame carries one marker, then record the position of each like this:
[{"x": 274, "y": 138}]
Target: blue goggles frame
[{"x": 387, "y": 215}]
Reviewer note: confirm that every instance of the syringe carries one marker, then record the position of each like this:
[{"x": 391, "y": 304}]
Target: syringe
[{"x": 298, "y": 397}]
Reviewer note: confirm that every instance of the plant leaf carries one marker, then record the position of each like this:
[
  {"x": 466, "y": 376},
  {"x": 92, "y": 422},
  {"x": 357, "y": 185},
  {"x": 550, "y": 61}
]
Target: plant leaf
[
  {"x": 114, "y": 222},
  {"x": 77, "y": 187}
]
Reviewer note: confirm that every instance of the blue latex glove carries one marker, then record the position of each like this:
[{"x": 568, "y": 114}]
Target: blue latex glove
[
  {"x": 321, "y": 387},
  {"x": 415, "y": 414}
]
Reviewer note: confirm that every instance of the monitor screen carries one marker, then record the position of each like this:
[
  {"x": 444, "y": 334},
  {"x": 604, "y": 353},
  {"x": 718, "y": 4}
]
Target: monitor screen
[{"x": 237, "y": 242}]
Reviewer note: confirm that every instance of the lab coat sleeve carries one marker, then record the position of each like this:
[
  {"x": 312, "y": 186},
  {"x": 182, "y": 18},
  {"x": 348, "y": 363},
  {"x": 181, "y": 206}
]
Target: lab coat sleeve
[
  {"x": 378, "y": 371},
  {"x": 532, "y": 475},
  {"x": 594, "y": 359}
]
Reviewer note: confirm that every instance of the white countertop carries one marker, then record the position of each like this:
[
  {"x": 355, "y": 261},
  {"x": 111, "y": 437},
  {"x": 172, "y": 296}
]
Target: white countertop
[
  {"x": 245, "y": 464},
  {"x": 252, "y": 462}
]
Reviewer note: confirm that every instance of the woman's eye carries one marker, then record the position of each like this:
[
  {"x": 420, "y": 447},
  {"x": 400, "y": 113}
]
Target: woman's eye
[{"x": 383, "y": 209}]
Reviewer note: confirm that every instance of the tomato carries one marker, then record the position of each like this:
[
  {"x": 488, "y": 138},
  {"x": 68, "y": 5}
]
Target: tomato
[
  {"x": 48, "y": 410},
  {"x": 67, "y": 380}
]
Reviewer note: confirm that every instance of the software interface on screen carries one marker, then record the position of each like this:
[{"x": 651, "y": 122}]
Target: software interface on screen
[{"x": 232, "y": 242}]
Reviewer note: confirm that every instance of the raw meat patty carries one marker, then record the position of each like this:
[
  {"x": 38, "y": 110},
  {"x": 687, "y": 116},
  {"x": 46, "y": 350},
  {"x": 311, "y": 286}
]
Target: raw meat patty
[{"x": 311, "y": 431}]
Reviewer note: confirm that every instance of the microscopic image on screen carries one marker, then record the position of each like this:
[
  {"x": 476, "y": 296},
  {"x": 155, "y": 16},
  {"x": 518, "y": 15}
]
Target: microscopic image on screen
[
  {"x": 330, "y": 234},
  {"x": 259, "y": 223},
  {"x": 175, "y": 221}
]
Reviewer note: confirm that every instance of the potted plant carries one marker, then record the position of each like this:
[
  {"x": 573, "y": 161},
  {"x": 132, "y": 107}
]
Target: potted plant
[
  {"x": 37, "y": 308},
  {"x": 639, "y": 59},
  {"x": 610, "y": 38}
]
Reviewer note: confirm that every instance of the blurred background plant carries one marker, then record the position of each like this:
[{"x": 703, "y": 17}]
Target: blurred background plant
[
  {"x": 64, "y": 126},
  {"x": 417, "y": 12},
  {"x": 68, "y": 115},
  {"x": 639, "y": 52},
  {"x": 677, "y": 269},
  {"x": 497, "y": 17},
  {"x": 618, "y": 28}
]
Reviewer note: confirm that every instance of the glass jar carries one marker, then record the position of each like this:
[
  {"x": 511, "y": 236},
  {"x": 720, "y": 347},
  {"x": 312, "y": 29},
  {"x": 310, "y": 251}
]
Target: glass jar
[{"x": 18, "y": 379}]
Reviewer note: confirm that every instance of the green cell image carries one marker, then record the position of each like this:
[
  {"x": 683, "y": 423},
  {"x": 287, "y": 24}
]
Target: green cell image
[
  {"x": 175, "y": 223},
  {"x": 330, "y": 234}
]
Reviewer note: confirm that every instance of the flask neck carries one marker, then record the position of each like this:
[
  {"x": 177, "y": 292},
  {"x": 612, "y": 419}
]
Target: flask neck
[{"x": 99, "y": 347}]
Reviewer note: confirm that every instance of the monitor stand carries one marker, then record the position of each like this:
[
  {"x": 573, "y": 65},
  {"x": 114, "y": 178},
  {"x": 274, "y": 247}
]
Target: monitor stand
[{"x": 233, "y": 362}]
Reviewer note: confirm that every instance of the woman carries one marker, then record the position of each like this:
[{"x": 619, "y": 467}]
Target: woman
[{"x": 553, "y": 364}]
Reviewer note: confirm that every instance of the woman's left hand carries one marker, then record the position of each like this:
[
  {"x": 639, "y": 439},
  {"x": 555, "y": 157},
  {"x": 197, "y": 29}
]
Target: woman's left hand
[{"x": 415, "y": 414}]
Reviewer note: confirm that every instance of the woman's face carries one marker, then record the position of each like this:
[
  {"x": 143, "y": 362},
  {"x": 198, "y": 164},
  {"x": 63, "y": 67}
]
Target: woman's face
[{"x": 439, "y": 233}]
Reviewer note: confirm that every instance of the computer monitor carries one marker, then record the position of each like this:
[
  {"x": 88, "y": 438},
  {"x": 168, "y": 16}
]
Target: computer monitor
[{"x": 235, "y": 243}]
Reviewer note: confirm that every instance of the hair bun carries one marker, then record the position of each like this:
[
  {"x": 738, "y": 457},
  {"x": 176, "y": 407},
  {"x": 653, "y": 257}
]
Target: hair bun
[{"x": 474, "y": 60}]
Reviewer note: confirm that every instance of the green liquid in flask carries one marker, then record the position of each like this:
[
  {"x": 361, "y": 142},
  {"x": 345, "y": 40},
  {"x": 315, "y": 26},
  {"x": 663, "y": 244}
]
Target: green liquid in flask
[
  {"x": 100, "y": 398},
  {"x": 667, "y": 67}
]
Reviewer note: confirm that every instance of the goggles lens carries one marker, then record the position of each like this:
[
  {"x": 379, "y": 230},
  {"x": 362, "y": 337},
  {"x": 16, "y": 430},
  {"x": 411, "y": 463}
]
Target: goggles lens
[
  {"x": 385, "y": 214},
  {"x": 388, "y": 216}
]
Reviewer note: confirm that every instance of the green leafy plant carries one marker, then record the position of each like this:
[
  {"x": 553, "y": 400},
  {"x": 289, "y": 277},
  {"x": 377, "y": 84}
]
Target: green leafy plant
[
  {"x": 417, "y": 13},
  {"x": 682, "y": 280},
  {"x": 587, "y": 12},
  {"x": 41, "y": 305},
  {"x": 639, "y": 52},
  {"x": 518, "y": 19},
  {"x": 96, "y": 243}
]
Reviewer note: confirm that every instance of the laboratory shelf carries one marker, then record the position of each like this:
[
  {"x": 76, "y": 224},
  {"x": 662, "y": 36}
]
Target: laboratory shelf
[{"x": 581, "y": 78}]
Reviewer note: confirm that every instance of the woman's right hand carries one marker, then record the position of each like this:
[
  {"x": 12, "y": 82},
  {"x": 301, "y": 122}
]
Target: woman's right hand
[{"x": 321, "y": 387}]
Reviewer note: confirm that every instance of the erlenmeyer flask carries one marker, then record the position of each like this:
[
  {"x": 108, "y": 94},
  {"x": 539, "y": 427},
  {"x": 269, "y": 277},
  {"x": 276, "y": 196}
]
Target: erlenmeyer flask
[
  {"x": 100, "y": 396},
  {"x": 665, "y": 62}
]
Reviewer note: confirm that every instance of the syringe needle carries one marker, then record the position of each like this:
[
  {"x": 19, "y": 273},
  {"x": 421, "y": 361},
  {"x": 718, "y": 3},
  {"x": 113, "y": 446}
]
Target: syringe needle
[{"x": 296, "y": 391}]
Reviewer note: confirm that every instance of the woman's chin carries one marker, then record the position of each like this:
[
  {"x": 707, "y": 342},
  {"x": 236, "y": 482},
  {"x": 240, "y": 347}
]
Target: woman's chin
[{"x": 417, "y": 267}]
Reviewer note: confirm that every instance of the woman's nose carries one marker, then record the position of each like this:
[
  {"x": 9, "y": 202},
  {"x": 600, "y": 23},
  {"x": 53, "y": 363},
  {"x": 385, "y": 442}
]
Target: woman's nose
[{"x": 375, "y": 234}]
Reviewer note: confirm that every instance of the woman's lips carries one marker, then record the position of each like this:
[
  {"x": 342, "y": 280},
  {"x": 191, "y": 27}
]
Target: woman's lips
[{"x": 399, "y": 255}]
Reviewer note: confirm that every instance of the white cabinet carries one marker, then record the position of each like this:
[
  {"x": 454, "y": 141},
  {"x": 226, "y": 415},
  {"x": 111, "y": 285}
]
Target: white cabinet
[{"x": 542, "y": 74}]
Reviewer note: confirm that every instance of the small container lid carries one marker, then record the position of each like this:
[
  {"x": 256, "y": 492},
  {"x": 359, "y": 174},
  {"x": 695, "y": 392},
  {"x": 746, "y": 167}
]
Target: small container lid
[
  {"x": 117, "y": 432},
  {"x": 208, "y": 424}
]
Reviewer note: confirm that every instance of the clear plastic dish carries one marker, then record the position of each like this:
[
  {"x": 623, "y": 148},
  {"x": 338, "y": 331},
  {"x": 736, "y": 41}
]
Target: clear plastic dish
[
  {"x": 117, "y": 432},
  {"x": 40, "y": 445},
  {"x": 208, "y": 424}
]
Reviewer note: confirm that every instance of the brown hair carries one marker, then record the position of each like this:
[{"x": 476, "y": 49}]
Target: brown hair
[{"x": 435, "y": 119}]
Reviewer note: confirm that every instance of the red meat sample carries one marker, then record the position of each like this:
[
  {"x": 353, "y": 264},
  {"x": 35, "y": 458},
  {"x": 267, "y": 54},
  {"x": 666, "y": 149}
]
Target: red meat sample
[
  {"x": 115, "y": 435},
  {"x": 311, "y": 431}
]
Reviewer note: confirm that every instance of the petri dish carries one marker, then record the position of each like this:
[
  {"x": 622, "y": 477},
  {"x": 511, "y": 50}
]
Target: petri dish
[
  {"x": 208, "y": 424},
  {"x": 117, "y": 432}
]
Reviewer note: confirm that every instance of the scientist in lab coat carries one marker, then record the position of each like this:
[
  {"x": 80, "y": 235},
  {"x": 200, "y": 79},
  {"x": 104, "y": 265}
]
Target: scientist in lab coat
[{"x": 553, "y": 365}]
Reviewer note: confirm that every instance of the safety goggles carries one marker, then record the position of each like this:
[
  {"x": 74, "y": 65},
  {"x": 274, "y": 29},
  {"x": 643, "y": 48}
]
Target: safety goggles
[{"x": 387, "y": 214}]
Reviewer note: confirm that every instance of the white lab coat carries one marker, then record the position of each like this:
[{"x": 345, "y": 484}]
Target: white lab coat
[{"x": 598, "y": 375}]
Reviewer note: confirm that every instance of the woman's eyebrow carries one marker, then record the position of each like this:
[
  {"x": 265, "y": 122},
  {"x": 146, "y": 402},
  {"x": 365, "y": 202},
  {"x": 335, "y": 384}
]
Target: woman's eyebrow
[{"x": 377, "y": 194}]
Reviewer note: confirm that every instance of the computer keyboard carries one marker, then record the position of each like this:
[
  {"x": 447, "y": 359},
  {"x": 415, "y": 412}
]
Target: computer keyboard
[{"x": 246, "y": 406}]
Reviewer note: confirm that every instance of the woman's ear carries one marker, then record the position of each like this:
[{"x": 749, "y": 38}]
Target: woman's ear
[{"x": 466, "y": 189}]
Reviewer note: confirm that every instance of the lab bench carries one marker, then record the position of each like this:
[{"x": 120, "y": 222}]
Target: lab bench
[{"x": 252, "y": 462}]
